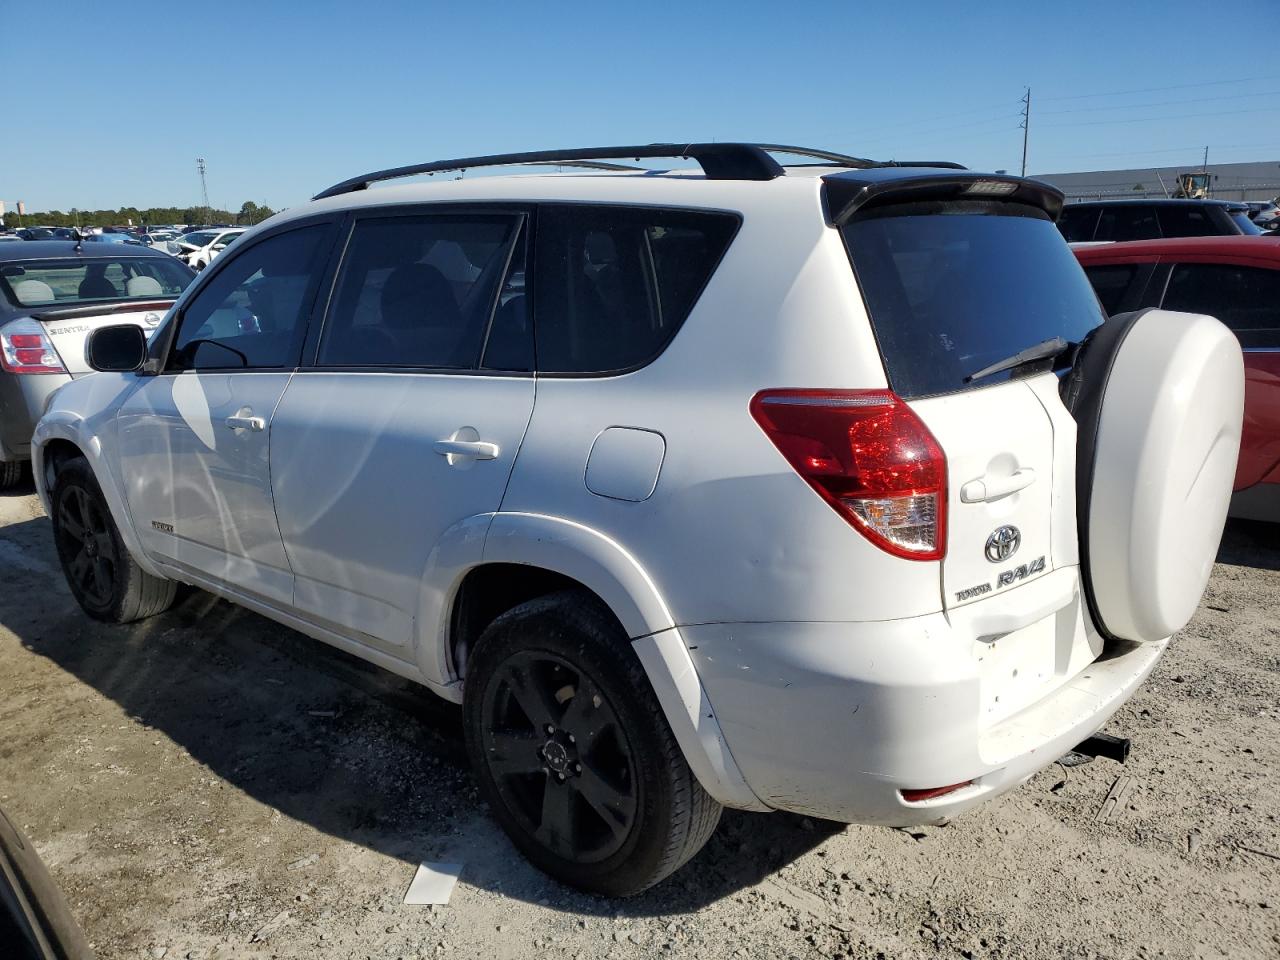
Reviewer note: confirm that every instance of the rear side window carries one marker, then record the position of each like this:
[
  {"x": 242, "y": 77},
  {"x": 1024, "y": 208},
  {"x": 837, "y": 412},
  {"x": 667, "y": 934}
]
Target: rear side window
[
  {"x": 953, "y": 289},
  {"x": 1188, "y": 221},
  {"x": 1128, "y": 222},
  {"x": 1246, "y": 299},
  {"x": 614, "y": 284},
  {"x": 1110, "y": 283},
  {"x": 1077, "y": 223},
  {"x": 417, "y": 291}
]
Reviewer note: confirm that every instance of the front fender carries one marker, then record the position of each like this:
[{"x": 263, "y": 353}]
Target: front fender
[
  {"x": 68, "y": 419},
  {"x": 605, "y": 567}
]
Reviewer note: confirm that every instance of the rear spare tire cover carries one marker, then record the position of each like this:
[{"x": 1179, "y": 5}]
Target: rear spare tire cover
[{"x": 1158, "y": 399}]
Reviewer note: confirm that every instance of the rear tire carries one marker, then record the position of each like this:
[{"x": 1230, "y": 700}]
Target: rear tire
[
  {"x": 11, "y": 472},
  {"x": 573, "y": 754},
  {"x": 104, "y": 578}
]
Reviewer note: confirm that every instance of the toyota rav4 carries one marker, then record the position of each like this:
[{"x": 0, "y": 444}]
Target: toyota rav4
[{"x": 820, "y": 488}]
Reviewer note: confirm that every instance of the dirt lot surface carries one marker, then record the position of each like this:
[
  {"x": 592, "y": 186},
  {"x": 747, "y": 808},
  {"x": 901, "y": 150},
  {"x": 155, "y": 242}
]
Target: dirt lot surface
[{"x": 211, "y": 785}]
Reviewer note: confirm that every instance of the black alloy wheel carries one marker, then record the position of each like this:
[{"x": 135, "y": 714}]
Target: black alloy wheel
[
  {"x": 103, "y": 576},
  {"x": 559, "y": 756},
  {"x": 85, "y": 541}
]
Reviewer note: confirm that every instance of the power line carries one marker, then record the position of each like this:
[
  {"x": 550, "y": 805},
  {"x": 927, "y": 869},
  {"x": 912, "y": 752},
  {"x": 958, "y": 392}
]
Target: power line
[
  {"x": 1176, "y": 116},
  {"x": 1186, "y": 149},
  {"x": 1178, "y": 86},
  {"x": 1162, "y": 103}
]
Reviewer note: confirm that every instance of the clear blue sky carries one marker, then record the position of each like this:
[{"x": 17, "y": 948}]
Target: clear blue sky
[{"x": 110, "y": 103}]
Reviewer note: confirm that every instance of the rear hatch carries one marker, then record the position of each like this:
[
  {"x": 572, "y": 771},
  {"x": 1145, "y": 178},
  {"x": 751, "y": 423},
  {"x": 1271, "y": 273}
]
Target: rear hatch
[{"x": 952, "y": 288}]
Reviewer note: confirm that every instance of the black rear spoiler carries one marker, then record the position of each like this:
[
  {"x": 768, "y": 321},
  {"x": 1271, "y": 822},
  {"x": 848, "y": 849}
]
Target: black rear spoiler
[
  {"x": 855, "y": 190},
  {"x": 98, "y": 309}
]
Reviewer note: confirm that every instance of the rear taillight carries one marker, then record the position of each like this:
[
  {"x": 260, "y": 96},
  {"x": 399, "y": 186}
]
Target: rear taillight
[
  {"x": 868, "y": 455},
  {"x": 26, "y": 348}
]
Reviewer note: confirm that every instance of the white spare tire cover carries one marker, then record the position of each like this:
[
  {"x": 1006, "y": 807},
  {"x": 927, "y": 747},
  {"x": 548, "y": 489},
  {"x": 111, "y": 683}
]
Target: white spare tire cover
[{"x": 1158, "y": 398}]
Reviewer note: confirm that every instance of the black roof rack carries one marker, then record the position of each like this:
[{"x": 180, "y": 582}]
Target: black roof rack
[{"x": 719, "y": 161}]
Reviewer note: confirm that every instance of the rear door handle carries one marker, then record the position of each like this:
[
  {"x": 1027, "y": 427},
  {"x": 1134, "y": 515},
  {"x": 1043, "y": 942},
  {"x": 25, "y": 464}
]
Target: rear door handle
[
  {"x": 475, "y": 449},
  {"x": 993, "y": 487},
  {"x": 246, "y": 423}
]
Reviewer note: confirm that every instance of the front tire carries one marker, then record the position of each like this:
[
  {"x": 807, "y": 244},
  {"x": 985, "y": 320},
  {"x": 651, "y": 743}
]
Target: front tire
[
  {"x": 104, "y": 578},
  {"x": 572, "y": 751}
]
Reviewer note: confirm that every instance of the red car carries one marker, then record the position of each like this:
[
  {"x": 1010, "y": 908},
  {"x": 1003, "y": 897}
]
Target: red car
[{"x": 1237, "y": 280}]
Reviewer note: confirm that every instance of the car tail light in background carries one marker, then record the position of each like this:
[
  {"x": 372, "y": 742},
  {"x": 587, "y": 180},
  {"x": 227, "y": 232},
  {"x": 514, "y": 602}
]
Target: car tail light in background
[
  {"x": 870, "y": 457},
  {"x": 26, "y": 348}
]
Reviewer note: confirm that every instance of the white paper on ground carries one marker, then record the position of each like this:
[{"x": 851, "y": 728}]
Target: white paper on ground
[{"x": 433, "y": 883}]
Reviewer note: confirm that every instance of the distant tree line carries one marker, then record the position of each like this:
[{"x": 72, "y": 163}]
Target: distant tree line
[{"x": 250, "y": 213}]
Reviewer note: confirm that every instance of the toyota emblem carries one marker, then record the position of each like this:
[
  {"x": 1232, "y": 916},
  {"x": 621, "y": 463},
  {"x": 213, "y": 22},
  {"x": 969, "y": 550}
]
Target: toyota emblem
[{"x": 1003, "y": 543}]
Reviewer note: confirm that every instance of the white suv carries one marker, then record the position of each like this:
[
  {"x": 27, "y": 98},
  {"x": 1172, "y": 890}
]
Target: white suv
[{"x": 819, "y": 488}]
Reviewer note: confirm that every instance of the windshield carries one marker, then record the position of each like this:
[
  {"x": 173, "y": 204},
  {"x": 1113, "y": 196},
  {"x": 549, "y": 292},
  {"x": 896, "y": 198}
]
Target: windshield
[
  {"x": 201, "y": 239},
  {"x": 65, "y": 283},
  {"x": 1247, "y": 226},
  {"x": 952, "y": 289}
]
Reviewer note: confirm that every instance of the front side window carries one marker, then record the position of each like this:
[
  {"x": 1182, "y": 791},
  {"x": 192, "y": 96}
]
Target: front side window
[
  {"x": 1127, "y": 221},
  {"x": 614, "y": 284},
  {"x": 1246, "y": 299},
  {"x": 417, "y": 291},
  {"x": 1185, "y": 221},
  {"x": 252, "y": 313}
]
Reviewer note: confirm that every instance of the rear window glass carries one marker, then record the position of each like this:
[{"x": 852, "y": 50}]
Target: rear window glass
[
  {"x": 614, "y": 284},
  {"x": 953, "y": 289},
  {"x": 1110, "y": 284},
  {"x": 67, "y": 283}
]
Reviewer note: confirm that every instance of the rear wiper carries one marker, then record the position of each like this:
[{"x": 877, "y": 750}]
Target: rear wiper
[{"x": 1045, "y": 350}]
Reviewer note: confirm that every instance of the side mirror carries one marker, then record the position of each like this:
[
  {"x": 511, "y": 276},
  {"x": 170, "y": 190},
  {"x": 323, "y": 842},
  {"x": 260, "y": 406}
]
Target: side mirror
[{"x": 120, "y": 348}]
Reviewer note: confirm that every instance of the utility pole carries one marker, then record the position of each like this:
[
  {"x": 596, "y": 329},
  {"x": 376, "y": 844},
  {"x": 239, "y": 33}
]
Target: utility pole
[
  {"x": 1026, "y": 127},
  {"x": 204, "y": 189}
]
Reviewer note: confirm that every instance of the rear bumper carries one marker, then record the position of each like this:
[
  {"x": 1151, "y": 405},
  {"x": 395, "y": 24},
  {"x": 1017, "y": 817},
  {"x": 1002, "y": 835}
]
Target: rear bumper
[
  {"x": 22, "y": 403},
  {"x": 834, "y": 719}
]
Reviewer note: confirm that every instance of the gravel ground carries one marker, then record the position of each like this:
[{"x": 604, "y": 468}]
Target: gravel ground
[{"x": 210, "y": 785}]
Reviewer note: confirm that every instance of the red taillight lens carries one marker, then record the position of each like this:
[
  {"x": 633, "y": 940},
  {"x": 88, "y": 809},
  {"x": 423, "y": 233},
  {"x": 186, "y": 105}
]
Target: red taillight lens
[
  {"x": 24, "y": 348},
  {"x": 869, "y": 456}
]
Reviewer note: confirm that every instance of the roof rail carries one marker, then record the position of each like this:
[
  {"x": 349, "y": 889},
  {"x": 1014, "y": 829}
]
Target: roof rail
[{"x": 719, "y": 161}]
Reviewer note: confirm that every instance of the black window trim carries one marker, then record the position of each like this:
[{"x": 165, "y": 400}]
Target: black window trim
[
  {"x": 522, "y": 214},
  {"x": 161, "y": 351},
  {"x": 661, "y": 348}
]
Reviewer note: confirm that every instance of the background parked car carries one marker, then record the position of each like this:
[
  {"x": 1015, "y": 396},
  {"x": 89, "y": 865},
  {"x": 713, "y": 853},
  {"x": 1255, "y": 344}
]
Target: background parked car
[
  {"x": 51, "y": 296},
  {"x": 1118, "y": 220},
  {"x": 35, "y": 233},
  {"x": 105, "y": 237},
  {"x": 1237, "y": 280},
  {"x": 198, "y": 249}
]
